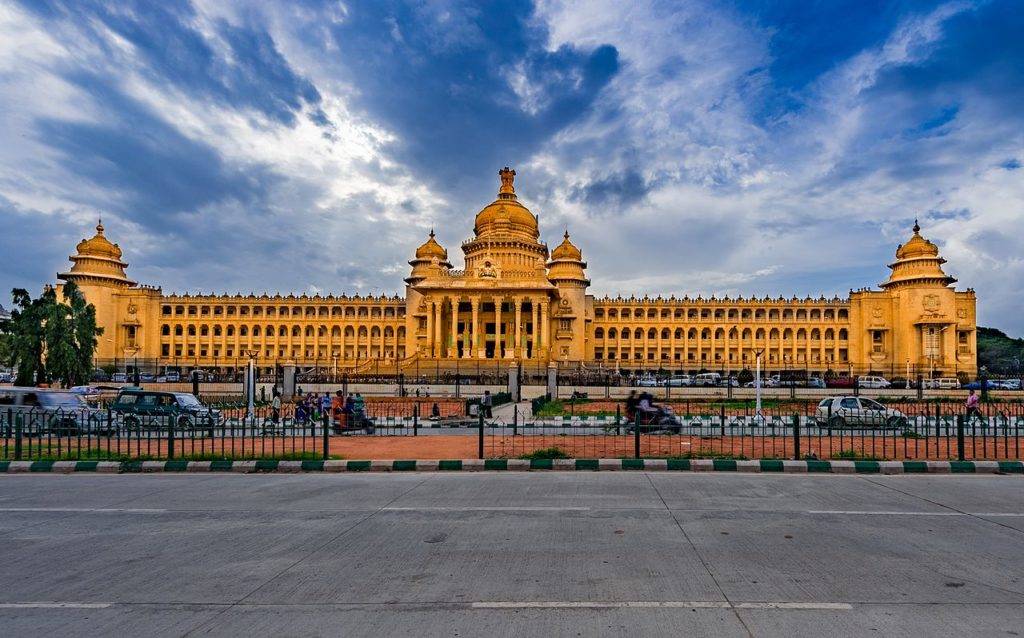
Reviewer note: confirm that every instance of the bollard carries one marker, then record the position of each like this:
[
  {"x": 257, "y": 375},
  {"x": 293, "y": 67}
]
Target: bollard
[
  {"x": 796, "y": 437},
  {"x": 170, "y": 437},
  {"x": 636, "y": 436},
  {"x": 415, "y": 419},
  {"x": 19, "y": 425},
  {"x": 326, "y": 441},
  {"x": 960, "y": 437},
  {"x": 480, "y": 435}
]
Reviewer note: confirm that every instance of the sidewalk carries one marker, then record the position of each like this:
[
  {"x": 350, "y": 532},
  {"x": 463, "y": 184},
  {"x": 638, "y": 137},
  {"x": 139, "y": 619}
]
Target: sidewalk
[{"x": 505, "y": 412}]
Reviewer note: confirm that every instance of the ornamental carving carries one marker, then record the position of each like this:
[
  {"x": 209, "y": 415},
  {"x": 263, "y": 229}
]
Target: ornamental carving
[{"x": 931, "y": 303}]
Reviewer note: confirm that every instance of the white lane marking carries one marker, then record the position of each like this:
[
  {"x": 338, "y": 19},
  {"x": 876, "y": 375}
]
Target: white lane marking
[
  {"x": 487, "y": 509},
  {"x": 84, "y": 510},
  {"x": 54, "y": 605},
  {"x": 900, "y": 513},
  {"x": 667, "y": 604}
]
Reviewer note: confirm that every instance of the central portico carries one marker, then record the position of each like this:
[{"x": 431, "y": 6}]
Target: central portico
[{"x": 513, "y": 300}]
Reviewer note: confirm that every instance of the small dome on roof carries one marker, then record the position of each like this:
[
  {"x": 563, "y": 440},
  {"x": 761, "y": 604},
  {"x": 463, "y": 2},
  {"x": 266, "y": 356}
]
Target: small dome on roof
[
  {"x": 566, "y": 250},
  {"x": 431, "y": 249}
]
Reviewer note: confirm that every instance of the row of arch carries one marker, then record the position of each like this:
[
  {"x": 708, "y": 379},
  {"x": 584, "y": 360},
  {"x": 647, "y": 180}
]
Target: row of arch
[
  {"x": 725, "y": 314},
  {"x": 720, "y": 333},
  {"x": 216, "y": 330},
  {"x": 182, "y": 310}
]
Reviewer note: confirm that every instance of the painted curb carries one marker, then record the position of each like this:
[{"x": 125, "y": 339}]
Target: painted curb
[{"x": 765, "y": 466}]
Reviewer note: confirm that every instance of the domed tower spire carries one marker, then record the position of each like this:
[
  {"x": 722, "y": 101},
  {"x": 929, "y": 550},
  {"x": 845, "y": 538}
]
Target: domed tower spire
[
  {"x": 917, "y": 262},
  {"x": 97, "y": 260},
  {"x": 507, "y": 190}
]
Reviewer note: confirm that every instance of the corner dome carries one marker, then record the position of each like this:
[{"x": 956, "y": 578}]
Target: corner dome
[
  {"x": 506, "y": 213},
  {"x": 98, "y": 246},
  {"x": 566, "y": 251}
]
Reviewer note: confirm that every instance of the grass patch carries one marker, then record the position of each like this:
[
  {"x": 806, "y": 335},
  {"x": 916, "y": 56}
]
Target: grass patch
[
  {"x": 854, "y": 455},
  {"x": 546, "y": 453},
  {"x": 709, "y": 454}
]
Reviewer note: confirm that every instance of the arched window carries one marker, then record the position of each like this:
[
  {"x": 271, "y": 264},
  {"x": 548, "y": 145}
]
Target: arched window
[
  {"x": 165, "y": 330},
  {"x": 599, "y": 333}
]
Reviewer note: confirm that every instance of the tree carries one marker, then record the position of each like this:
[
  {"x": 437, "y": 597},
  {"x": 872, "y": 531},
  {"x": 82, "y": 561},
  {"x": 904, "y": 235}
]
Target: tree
[{"x": 51, "y": 340}]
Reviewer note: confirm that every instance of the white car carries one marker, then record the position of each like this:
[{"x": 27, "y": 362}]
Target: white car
[
  {"x": 681, "y": 381},
  {"x": 944, "y": 383},
  {"x": 6, "y": 377},
  {"x": 647, "y": 382},
  {"x": 841, "y": 412},
  {"x": 873, "y": 382}
]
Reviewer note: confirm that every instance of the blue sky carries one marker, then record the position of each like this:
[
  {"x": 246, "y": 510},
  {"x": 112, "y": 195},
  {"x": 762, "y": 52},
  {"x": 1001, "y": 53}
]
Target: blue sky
[{"x": 690, "y": 147}]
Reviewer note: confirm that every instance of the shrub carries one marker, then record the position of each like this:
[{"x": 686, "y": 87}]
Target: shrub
[{"x": 546, "y": 453}]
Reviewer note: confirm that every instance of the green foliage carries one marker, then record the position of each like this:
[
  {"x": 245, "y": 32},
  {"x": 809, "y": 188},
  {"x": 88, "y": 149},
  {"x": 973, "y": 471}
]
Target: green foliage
[
  {"x": 547, "y": 453},
  {"x": 52, "y": 340},
  {"x": 998, "y": 352},
  {"x": 854, "y": 455}
]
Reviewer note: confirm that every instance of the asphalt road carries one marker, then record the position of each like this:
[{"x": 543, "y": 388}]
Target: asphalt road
[{"x": 503, "y": 554}]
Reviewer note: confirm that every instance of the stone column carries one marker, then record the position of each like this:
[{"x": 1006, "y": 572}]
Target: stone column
[
  {"x": 535, "y": 314},
  {"x": 477, "y": 345},
  {"x": 498, "y": 343},
  {"x": 544, "y": 347},
  {"x": 517, "y": 347},
  {"x": 438, "y": 338},
  {"x": 453, "y": 348},
  {"x": 430, "y": 330}
]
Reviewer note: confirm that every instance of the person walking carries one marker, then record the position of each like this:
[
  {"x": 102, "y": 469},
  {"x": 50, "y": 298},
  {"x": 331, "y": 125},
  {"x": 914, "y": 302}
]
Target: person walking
[
  {"x": 359, "y": 409},
  {"x": 275, "y": 408},
  {"x": 487, "y": 403},
  {"x": 972, "y": 407}
]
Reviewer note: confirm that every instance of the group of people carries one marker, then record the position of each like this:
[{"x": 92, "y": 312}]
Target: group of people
[{"x": 312, "y": 407}]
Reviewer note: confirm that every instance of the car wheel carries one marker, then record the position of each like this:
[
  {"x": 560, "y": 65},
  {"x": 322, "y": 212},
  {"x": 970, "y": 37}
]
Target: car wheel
[
  {"x": 837, "y": 422},
  {"x": 896, "y": 422}
]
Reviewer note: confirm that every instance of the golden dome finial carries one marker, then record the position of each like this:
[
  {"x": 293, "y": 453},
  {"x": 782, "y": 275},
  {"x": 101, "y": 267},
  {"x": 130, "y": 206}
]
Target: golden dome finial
[
  {"x": 917, "y": 227},
  {"x": 99, "y": 226},
  {"x": 507, "y": 190}
]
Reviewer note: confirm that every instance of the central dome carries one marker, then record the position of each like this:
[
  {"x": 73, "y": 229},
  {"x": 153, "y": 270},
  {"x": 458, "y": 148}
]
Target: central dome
[{"x": 506, "y": 215}]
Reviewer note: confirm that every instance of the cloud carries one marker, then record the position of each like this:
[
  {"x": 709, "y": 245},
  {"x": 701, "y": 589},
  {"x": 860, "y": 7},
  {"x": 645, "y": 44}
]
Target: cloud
[{"x": 690, "y": 147}]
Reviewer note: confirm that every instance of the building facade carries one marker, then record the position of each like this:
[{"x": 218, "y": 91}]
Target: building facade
[{"x": 517, "y": 301}]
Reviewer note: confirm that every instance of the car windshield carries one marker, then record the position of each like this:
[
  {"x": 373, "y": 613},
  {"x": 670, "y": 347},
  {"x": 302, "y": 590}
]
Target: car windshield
[
  {"x": 868, "y": 404},
  {"x": 188, "y": 401},
  {"x": 61, "y": 400}
]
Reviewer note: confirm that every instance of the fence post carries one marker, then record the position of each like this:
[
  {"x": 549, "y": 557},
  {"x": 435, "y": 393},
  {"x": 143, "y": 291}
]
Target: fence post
[
  {"x": 796, "y": 437},
  {"x": 960, "y": 437},
  {"x": 618, "y": 417},
  {"x": 721, "y": 420},
  {"x": 170, "y": 436},
  {"x": 920, "y": 387},
  {"x": 480, "y": 434},
  {"x": 515, "y": 420},
  {"x": 415, "y": 419},
  {"x": 19, "y": 425},
  {"x": 856, "y": 386},
  {"x": 326, "y": 441},
  {"x": 636, "y": 436}
]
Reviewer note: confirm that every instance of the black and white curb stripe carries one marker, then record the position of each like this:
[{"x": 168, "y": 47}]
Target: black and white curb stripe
[{"x": 472, "y": 465}]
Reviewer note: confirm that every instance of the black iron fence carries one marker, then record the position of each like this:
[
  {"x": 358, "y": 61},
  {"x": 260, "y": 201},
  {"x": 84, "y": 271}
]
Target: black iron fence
[{"x": 830, "y": 429}]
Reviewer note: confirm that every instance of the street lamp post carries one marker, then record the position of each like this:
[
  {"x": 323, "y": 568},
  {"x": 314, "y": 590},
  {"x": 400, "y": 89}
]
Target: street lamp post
[
  {"x": 757, "y": 385},
  {"x": 250, "y": 383}
]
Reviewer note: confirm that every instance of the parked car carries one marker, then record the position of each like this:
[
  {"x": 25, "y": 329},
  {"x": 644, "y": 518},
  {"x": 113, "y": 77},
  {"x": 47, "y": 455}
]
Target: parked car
[
  {"x": 119, "y": 377},
  {"x": 943, "y": 383},
  {"x": 678, "y": 381},
  {"x": 139, "y": 409},
  {"x": 873, "y": 382},
  {"x": 707, "y": 379},
  {"x": 848, "y": 411},
  {"x": 647, "y": 382},
  {"x": 841, "y": 382},
  {"x": 6, "y": 377},
  {"x": 172, "y": 376},
  {"x": 815, "y": 382},
  {"x": 48, "y": 412},
  {"x": 146, "y": 377},
  {"x": 99, "y": 375},
  {"x": 1006, "y": 384}
]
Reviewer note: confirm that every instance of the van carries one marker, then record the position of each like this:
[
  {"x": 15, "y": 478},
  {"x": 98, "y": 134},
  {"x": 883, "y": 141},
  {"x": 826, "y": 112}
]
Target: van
[
  {"x": 943, "y": 383},
  {"x": 139, "y": 409},
  {"x": 873, "y": 382},
  {"x": 707, "y": 379},
  {"x": 44, "y": 412}
]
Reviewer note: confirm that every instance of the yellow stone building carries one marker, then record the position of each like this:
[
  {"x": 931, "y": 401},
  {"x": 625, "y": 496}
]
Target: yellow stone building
[{"x": 516, "y": 301}]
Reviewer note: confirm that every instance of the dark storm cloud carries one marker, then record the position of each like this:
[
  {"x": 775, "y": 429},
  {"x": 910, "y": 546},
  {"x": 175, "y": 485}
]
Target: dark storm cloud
[
  {"x": 441, "y": 76},
  {"x": 613, "y": 193},
  {"x": 145, "y": 169},
  {"x": 172, "y": 50}
]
